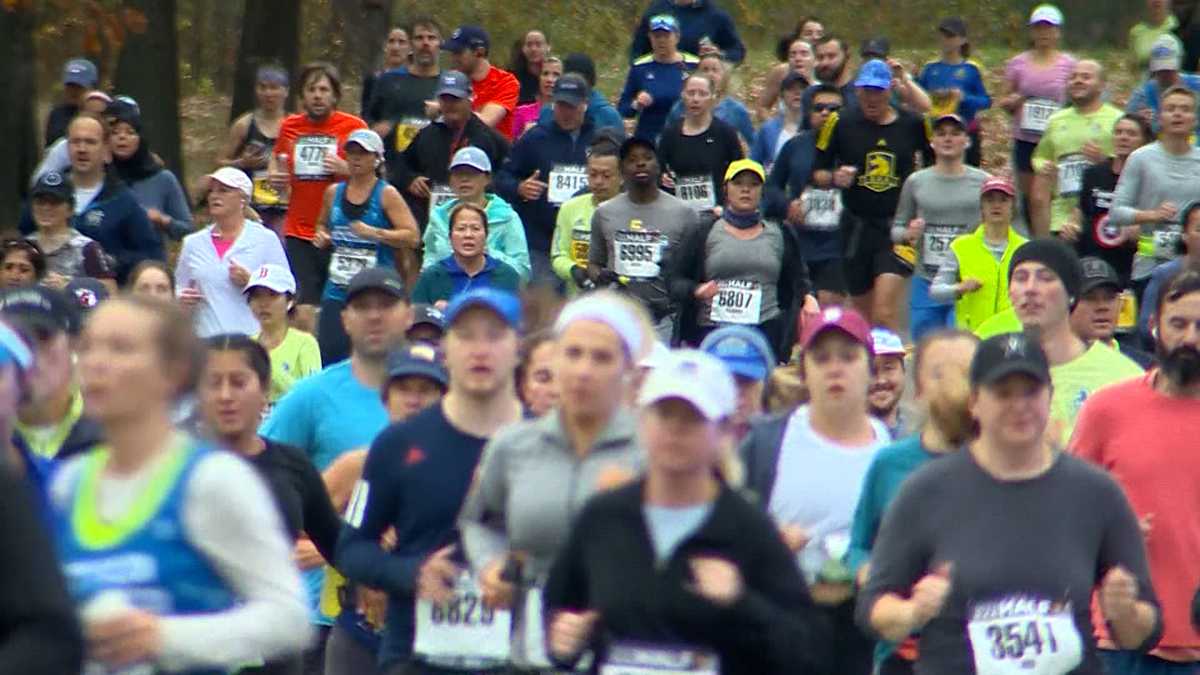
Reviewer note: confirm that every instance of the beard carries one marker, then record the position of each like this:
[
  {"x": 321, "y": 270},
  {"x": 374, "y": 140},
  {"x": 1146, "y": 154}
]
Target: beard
[
  {"x": 830, "y": 73},
  {"x": 1180, "y": 365},
  {"x": 887, "y": 408}
]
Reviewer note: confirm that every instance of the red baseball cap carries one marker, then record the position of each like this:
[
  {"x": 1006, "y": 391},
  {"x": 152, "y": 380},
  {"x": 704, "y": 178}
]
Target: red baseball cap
[
  {"x": 844, "y": 319},
  {"x": 1000, "y": 184}
]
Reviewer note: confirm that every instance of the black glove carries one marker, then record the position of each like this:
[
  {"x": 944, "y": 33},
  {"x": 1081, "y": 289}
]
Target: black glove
[
  {"x": 608, "y": 278},
  {"x": 580, "y": 276}
]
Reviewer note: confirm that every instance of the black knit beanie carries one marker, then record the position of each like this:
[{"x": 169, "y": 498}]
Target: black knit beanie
[{"x": 1056, "y": 255}]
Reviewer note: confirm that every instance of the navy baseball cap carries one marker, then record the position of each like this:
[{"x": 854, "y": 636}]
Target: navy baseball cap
[
  {"x": 634, "y": 141},
  {"x": 664, "y": 22},
  {"x": 467, "y": 37},
  {"x": 87, "y": 293},
  {"x": 54, "y": 184},
  {"x": 1008, "y": 353},
  {"x": 453, "y": 83},
  {"x": 571, "y": 89},
  {"x": 416, "y": 361},
  {"x": 743, "y": 349},
  {"x": 381, "y": 279},
  {"x": 39, "y": 307},
  {"x": 80, "y": 72},
  {"x": 874, "y": 74},
  {"x": 506, "y": 305},
  {"x": 428, "y": 314}
]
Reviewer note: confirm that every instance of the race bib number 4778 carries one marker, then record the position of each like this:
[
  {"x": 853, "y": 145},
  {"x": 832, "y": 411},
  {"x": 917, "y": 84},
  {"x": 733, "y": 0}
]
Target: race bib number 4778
[{"x": 308, "y": 156}]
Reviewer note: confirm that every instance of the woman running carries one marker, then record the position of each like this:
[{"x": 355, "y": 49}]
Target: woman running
[
  {"x": 696, "y": 151},
  {"x": 174, "y": 552},
  {"x": 526, "y": 114},
  {"x": 677, "y": 569},
  {"x": 22, "y": 263},
  {"x": 68, "y": 252},
  {"x": 529, "y": 58},
  {"x": 536, "y": 382},
  {"x": 955, "y": 84},
  {"x": 995, "y": 553},
  {"x": 295, "y": 355},
  {"x": 157, "y": 189},
  {"x": 151, "y": 279}
]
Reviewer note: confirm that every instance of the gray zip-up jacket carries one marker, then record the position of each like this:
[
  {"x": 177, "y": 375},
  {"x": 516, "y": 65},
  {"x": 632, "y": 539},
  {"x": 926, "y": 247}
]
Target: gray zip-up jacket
[{"x": 529, "y": 487}]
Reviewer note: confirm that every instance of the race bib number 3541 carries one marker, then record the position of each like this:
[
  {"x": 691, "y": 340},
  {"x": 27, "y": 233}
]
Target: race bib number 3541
[{"x": 1023, "y": 635}]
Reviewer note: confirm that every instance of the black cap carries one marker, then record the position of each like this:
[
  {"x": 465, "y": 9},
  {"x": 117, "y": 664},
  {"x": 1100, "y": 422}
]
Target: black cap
[
  {"x": 875, "y": 48},
  {"x": 55, "y": 185},
  {"x": 381, "y": 279},
  {"x": 417, "y": 360},
  {"x": 580, "y": 64},
  {"x": 634, "y": 141},
  {"x": 86, "y": 293},
  {"x": 125, "y": 109},
  {"x": 467, "y": 37},
  {"x": 428, "y": 314},
  {"x": 1008, "y": 353},
  {"x": 794, "y": 77},
  {"x": 571, "y": 89},
  {"x": 954, "y": 25},
  {"x": 1055, "y": 254},
  {"x": 1097, "y": 273},
  {"x": 38, "y": 307}
]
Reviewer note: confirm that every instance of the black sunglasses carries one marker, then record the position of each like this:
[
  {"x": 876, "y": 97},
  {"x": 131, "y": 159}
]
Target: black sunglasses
[{"x": 827, "y": 107}]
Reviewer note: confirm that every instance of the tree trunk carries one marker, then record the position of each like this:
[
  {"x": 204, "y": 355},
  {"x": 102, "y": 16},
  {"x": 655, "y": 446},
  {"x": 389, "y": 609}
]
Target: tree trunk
[
  {"x": 17, "y": 115},
  {"x": 270, "y": 33},
  {"x": 148, "y": 70},
  {"x": 365, "y": 25},
  {"x": 199, "y": 36}
]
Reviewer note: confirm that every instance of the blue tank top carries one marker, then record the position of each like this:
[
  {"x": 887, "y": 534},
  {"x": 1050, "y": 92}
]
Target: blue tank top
[
  {"x": 351, "y": 253},
  {"x": 145, "y": 554}
]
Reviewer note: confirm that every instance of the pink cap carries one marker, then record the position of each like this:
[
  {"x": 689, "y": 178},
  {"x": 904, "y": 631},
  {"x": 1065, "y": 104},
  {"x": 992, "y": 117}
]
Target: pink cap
[
  {"x": 844, "y": 319},
  {"x": 998, "y": 183}
]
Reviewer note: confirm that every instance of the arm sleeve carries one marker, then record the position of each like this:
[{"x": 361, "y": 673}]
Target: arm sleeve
[
  {"x": 597, "y": 247},
  {"x": 143, "y": 242},
  {"x": 516, "y": 168},
  {"x": 1044, "y": 152},
  {"x": 743, "y": 123},
  {"x": 482, "y": 521},
  {"x": 1148, "y": 301},
  {"x": 687, "y": 266},
  {"x": 625, "y": 103},
  {"x": 321, "y": 521},
  {"x": 39, "y": 631},
  {"x": 230, "y": 517},
  {"x": 975, "y": 96},
  {"x": 309, "y": 360},
  {"x": 943, "y": 288},
  {"x": 1091, "y": 430},
  {"x": 566, "y": 587},
  {"x": 899, "y": 556},
  {"x": 867, "y": 514},
  {"x": 728, "y": 40},
  {"x": 1125, "y": 198},
  {"x": 560, "y": 245},
  {"x": 641, "y": 38},
  {"x": 373, "y": 507},
  {"x": 1123, "y": 545},
  {"x": 906, "y": 209},
  {"x": 436, "y": 239},
  {"x": 515, "y": 248},
  {"x": 775, "y": 192},
  {"x": 183, "y": 267},
  {"x": 176, "y": 206},
  {"x": 1137, "y": 100}
]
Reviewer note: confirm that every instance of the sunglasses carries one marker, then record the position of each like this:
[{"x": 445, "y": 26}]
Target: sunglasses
[{"x": 826, "y": 107}]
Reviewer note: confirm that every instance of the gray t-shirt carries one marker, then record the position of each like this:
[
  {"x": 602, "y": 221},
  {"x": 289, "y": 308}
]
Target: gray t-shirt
[
  {"x": 747, "y": 275},
  {"x": 670, "y": 525},
  {"x": 640, "y": 242},
  {"x": 1025, "y": 557},
  {"x": 950, "y": 207},
  {"x": 1152, "y": 176}
]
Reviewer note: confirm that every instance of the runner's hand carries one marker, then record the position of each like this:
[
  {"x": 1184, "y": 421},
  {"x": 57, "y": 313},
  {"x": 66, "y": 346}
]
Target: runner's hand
[
  {"x": 844, "y": 176},
  {"x": 929, "y": 595},
  {"x": 253, "y": 160},
  {"x": 1070, "y": 229},
  {"x": 717, "y": 580},
  {"x": 1094, "y": 153},
  {"x": 190, "y": 296},
  {"x": 133, "y": 637},
  {"x": 280, "y": 177},
  {"x": 531, "y": 188},
  {"x": 1012, "y": 102},
  {"x": 969, "y": 286},
  {"x": 1147, "y": 115},
  {"x": 336, "y": 165},
  {"x": 915, "y": 227},
  {"x": 1166, "y": 211},
  {"x": 810, "y": 310},
  {"x": 433, "y": 109},
  {"x": 56, "y": 281},
  {"x": 240, "y": 276},
  {"x": 579, "y": 275},
  {"x": 1129, "y": 235},
  {"x": 364, "y": 230},
  {"x": 372, "y": 605},
  {"x": 706, "y": 291},
  {"x": 796, "y": 212},
  {"x": 643, "y": 100},
  {"x": 435, "y": 580},
  {"x": 497, "y": 593},
  {"x": 419, "y": 187},
  {"x": 382, "y": 127},
  {"x": 1118, "y": 593},
  {"x": 306, "y": 555},
  {"x": 1048, "y": 170},
  {"x": 1146, "y": 524},
  {"x": 158, "y": 217},
  {"x": 794, "y": 536},
  {"x": 667, "y": 180},
  {"x": 321, "y": 238},
  {"x": 570, "y": 632}
]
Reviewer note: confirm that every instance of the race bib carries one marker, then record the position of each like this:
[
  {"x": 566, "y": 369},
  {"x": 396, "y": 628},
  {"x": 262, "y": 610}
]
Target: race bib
[
  {"x": 308, "y": 156},
  {"x": 1070, "y": 174},
  {"x": 1127, "y": 315},
  {"x": 348, "y": 261},
  {"x": 462, "y": 629},
  {"x": 822, "y": 209},
  {"x": 438, "y": 195},
  {"x": 935, "y": 245},
  {"x": 581, "y": 245},
  {"x": 565, "y": 181},
  {"x": 406, "y": 131},
  {"x": 1022, "y": 635},
  {"x": 1035, "y": 114},
  {"x": 696, "y": 191},
  {"x": 638, "y": 253},
  {"x": 535, "y": 630},
  {"x": 1166, "y": 241},
  {"x": 625, "y": 658},
  {"x": 737, "y": 301}
]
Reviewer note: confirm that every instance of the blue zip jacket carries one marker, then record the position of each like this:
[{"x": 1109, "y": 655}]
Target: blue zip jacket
[
  {"x": 729, "y": 110},
  {"x": 964, "y": 77},
  {"x": 698, "y": 20},
  {"x": 446, "y": 279},
  {"x": 600, "y": 113},
  {"x": 539, "y": 149},
  {"x": 664, "y": 83},
  {"x": 765, "y": 141},
  {"x": 115, "y": 220},
  {"x": 789, "y": 176},
  {"x": 1148, "y": 93}
]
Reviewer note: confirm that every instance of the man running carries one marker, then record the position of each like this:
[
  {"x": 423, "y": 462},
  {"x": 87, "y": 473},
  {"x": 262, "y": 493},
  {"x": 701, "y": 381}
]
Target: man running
[
  {"x": 573, "y": 225},
  {"x": 1045, "y": 280},
  {"x": 252, "y": 138},
  {"x": 833, "y": 70},
  {"x": 704, "y": 29},
  {"x": 78, "y": 77},
  {"x": 868, "y": 154},
  {"x": 308, "y": 157},
  {"x": 1165, "y": 63},
  {"x": 636, "y": 235},
  {"x": 415, "y": 480},
  {"x": 548, "y": 166},
  {"x": 403, "y": 100},
  {"x": 1094, "y": 317},
  {"x": 1075, "y": 138},
  {"x": 1143, "y": 431},
  {"x": 887, "y": 387},
  {"x": 496, "y": 90}
]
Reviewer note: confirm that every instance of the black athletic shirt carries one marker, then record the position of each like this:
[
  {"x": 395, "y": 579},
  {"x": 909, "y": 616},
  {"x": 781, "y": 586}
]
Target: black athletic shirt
[
  {"x": 1026, "y": 556},
  {"x": 883, "y": 154},
  {"x": 706, "y": 154},
  {"x": 1096, "y": 235},
  {"x": 300, "y": 494}
]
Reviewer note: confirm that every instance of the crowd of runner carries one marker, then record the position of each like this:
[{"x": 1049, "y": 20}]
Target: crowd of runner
[{"x": 511, "y": 375}]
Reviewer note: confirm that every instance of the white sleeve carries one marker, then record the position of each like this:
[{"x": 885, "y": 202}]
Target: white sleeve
[
  {"x": 230, "y": 516},
  {"x": 183, "y": 267}
]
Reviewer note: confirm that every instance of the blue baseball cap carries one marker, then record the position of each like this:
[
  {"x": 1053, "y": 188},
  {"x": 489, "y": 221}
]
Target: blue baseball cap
[
  {"x": 664, "y": 22},
  {"x": 506, "y": 305},
  {"x": 874, "y": 74},
  {"x": 467, "y": 37},
  {"x": 80, "y": 72},
  {"x": 14, "y": 349},
  {"x": 416, "y": 361},
  {"x": 744, "y": 350}
]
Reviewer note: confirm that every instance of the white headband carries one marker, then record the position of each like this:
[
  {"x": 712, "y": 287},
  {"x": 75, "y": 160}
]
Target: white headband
[{"x": 609, "y": 313}]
